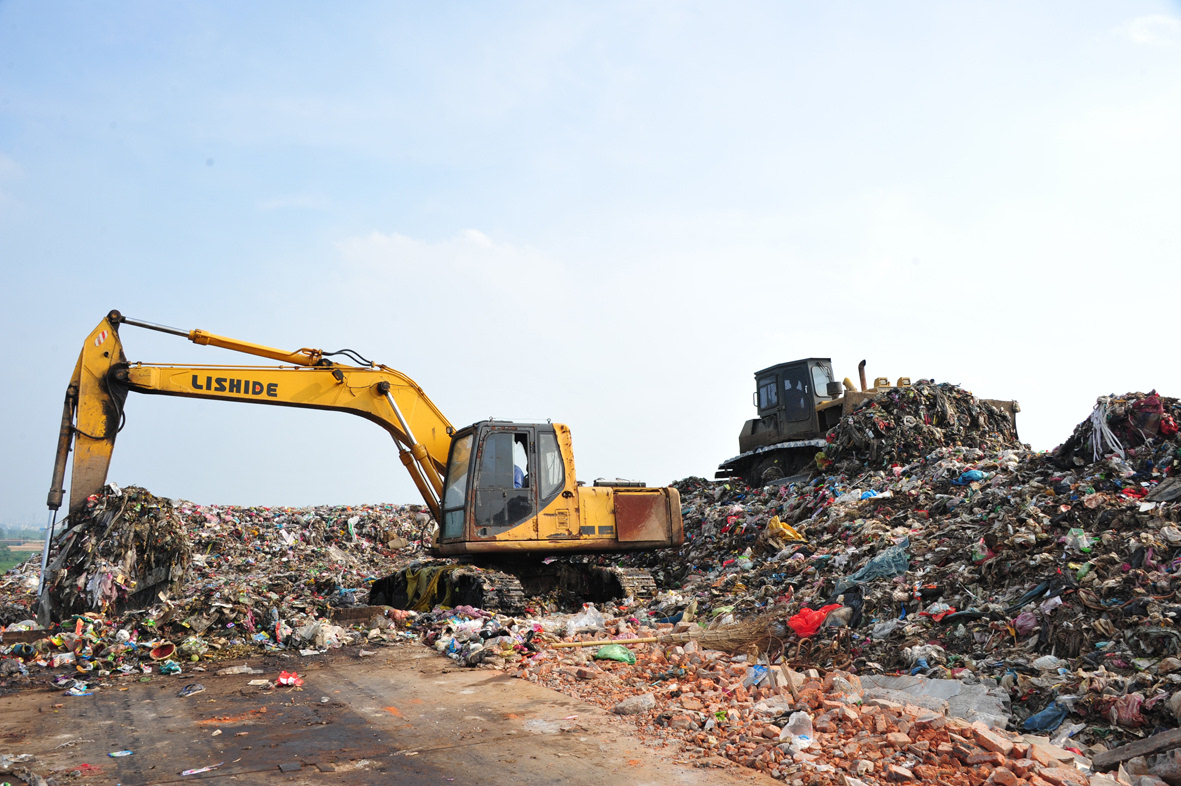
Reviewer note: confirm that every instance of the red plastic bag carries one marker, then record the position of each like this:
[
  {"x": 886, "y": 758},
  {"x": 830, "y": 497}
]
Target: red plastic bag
[
  {"x": 290, "y": 678},
  {"x": 808, "y": 621},
  {"x": 1168, "y": 426}
]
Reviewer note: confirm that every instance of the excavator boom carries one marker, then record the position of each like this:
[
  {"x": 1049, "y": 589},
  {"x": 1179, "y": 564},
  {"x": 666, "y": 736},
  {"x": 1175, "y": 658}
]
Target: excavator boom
[{"x": 102, "y": 378}]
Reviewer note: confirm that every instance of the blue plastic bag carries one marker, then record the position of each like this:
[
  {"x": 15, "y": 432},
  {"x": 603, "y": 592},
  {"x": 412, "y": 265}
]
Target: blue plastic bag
[
  {"x": 970, "y": 476},
  {"x": 754, "y": 675}
]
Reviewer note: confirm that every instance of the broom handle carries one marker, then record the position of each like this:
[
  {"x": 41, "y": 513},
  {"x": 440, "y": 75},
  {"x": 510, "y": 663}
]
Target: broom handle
[{"x": 666, "y": 639}]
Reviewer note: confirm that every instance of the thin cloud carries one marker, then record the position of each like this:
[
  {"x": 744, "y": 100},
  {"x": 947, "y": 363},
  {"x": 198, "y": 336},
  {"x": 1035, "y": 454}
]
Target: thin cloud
[
  {"x": 1151, "y": 30},
  {"x": 298, "y": 201},
  {"x": 9, "y": 170}
]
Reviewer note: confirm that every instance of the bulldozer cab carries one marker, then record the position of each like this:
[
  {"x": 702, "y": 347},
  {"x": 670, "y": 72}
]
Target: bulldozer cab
[
  {"x": 500, "y": 475},
  {"x": 786, "y": 396}
]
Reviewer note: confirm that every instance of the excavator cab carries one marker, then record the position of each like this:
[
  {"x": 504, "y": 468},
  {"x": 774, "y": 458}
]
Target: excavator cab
[
  {"x": 507, "y": 471},
  {"x": 510, "y": 488}
]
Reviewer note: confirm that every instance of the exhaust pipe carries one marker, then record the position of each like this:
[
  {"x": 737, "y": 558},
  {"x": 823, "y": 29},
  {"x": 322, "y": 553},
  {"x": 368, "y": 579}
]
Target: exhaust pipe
[{"x": 861, "y": 373}]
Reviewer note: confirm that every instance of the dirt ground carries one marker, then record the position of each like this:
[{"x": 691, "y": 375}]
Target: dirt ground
[{"x": 404, "y": 715}]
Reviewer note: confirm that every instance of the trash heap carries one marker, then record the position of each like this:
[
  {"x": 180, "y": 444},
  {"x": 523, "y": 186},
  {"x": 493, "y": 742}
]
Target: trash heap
[
  {"x": 904, "y": 424},
  {"x": 941, "y": 603},
  {"x": 1051, "y": 574},
  {"x": 124, "y": 546},
  {"x": 1041, "y": 583},
  {"x": 140, "y": 582}
]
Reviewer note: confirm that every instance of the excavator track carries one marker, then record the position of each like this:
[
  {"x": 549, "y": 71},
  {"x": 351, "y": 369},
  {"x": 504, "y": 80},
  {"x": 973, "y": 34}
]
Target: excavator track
[
  {"x": 457, "y": 585},
  {"x": 633, "y": 582},
  {"x": 505, "y": 587},
  {"x": 491, "y": 590}
]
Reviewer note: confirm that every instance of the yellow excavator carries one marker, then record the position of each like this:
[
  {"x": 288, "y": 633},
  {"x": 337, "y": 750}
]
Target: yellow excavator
[{"x": 504, "y": 493}]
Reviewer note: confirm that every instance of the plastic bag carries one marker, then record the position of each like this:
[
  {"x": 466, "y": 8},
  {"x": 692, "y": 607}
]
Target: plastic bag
[
  {"x": 1077, "y": 540},
  {"x": 616, "y": 652},
  {"x": 1024, "y": 623},
  {"x": 754, "y": 675},
  {"x": 883, "y": 629},
  {"x": 798, "y": 731},
  {"x": 1050, "y": 604},
  {"x": 1049, "y": 663},
  {"x": 589, "y": 617},
  {"x": 971, "y": 476},
  {"x": 1066, "y": 732},
  {"x": 777, "y": 529},
  {"x": 808, "y": 621},
  {"x": 290, "y": 678},
  {"x": 1047, "y": 720},
  {"x": 891, "y": 562},
  {"x": 981, "y": 553}
]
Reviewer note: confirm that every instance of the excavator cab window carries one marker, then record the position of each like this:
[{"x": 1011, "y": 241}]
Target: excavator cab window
[
  {"x": 550, "y": 466},
  {"x": 500, "y": 502},
  {"x": 455, "y": 492},
  {"x": 521, "y": 461}
]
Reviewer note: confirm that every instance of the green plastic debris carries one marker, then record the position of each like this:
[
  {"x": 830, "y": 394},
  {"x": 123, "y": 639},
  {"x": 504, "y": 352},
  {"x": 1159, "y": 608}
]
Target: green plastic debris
[
  {"x": 616, "y": 652},
  {"x": 1078, "y": 540}
]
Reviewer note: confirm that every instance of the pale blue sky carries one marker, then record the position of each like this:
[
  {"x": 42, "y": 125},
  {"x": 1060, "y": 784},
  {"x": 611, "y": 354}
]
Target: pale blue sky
[{"x": 607, "y": 214}]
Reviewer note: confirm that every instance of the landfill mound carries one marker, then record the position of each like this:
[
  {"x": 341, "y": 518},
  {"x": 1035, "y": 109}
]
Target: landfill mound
[
  {"x": 984, "y": 585},
  {"x": 994, "y": 565},
  {"x": 142, "y": 581},
  {"x": 907, "y": 423},
  {"x": 975, "y": 579},
  {"x": 1130, "y": 421},
  {"x": 118, "y": 551}
]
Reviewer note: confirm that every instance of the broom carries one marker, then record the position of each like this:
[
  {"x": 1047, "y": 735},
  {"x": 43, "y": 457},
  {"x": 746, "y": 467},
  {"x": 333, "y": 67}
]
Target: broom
[{"x": 760, "y": 633}]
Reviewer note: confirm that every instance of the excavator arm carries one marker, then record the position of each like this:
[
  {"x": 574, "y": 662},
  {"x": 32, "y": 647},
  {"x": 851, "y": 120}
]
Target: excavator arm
[{"x": 93, "y": 413}]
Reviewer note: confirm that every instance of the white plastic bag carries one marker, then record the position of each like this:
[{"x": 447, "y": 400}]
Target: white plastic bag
[
  {"x": 588, "y": 618},
  {"x": 798, "y": 731}
]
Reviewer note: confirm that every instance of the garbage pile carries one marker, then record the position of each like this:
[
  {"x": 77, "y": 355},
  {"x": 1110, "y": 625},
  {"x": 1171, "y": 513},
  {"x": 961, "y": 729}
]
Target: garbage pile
[
  {"x": 1052, "y": 575},
  {"x": 1119, "y": 423},
  {"x": 140, "y": 582},
  {"x": 1020, "y": 591},
  {"x": 123, "y": 546},
  {"x": 907, "y": 423}
]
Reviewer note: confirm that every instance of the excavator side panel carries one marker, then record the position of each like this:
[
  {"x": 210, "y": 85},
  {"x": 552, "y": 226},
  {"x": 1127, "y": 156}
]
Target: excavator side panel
[{"x": 99, "y": 412}]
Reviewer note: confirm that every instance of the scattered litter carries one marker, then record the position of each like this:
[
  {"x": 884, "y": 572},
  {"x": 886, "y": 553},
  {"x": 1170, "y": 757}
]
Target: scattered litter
[{"x": 290, "y": 678}]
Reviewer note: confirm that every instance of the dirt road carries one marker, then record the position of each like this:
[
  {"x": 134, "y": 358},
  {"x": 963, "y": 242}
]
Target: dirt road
[{"x": 402, "y": 716}]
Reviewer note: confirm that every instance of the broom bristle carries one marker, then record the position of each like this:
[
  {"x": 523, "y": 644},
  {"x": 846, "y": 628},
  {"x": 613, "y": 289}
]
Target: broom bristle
[{"x": 757, "y": 633}]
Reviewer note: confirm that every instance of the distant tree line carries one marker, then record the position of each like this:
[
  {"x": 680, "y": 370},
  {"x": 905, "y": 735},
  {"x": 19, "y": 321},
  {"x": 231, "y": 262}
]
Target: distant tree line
[{"x": 21, "y": 533}]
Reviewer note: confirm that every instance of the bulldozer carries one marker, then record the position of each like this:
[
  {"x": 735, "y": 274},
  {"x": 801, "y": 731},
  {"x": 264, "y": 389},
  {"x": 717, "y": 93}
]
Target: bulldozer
[
  {"x": 798, "y": 402},
  {"x": 504, "y": 494}
]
